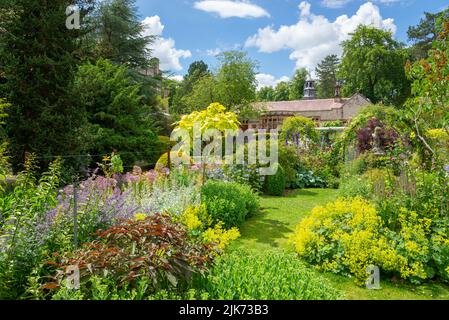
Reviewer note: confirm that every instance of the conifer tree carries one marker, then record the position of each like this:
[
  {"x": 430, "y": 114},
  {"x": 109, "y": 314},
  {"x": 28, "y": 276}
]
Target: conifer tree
[
  {"x": 38, "y": 55},
  {"x": 119, "y": 34},
  {"x": 327, "y": 76}
]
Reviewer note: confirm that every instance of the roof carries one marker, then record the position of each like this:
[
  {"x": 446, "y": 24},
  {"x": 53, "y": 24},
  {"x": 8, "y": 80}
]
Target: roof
[{"x": 304, "y": 105}]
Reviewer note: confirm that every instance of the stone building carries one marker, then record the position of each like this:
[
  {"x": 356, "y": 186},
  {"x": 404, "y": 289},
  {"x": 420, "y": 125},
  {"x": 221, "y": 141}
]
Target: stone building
[
  {"x": 320, "y": 110},
  {"x": 154, "y": 71}
]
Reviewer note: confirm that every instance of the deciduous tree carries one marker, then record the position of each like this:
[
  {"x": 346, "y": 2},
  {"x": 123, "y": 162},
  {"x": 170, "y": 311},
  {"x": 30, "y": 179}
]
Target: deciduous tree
[{"x": 373, "y": 64}]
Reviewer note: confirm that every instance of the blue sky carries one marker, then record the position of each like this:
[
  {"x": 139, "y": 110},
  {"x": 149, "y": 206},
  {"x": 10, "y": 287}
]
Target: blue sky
[{"x": 281, "y": 34}]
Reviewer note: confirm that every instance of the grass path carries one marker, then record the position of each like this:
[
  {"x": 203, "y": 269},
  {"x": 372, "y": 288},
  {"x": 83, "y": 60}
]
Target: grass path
[{"x": 270, "y": 230}]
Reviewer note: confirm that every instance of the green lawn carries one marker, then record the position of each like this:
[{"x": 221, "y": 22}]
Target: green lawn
[{"x": 270, "y": 230}]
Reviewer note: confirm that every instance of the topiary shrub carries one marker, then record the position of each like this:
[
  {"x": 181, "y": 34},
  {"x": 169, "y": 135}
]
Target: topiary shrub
[
  {"x": 275, "y": 184},
  {"x": 229, "y": 202}
]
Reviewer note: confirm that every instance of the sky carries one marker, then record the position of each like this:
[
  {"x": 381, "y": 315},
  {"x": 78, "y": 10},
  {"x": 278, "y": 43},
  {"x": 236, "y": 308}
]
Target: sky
[{"x": 281, "y": 35}]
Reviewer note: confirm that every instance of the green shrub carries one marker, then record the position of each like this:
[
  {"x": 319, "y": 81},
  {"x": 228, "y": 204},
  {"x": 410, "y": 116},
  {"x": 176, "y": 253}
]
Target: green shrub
[
  {"x": 304, "y": 127},
  {"x": 275, "y": 184},
  {"x": 229, "y": 202},
  {"x": 355, "y": 167},
  {"x": 307, "y": 179},
  {"x": 245, "y": 174},
  {"x": 248, "y": 275},
  {"x": 355, "y": 186}
]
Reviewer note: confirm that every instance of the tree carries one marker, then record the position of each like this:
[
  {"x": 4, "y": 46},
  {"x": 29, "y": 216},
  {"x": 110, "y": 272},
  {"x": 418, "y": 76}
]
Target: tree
[
  {"x": 178, "y": 91},
  {"x": 237, "y": 80},
  {"x": 118, "y": 119},
  {"x": 327, "y": 76},
  {"x": 299, "y": 129},
  {"x": 205, "y": 91},
  {"x": 427, "y": 108},
  {"x": 425, "y": 33},
  {"x": 297, "y": 84},
  {"x": 119, "y": 34},
  {"x": 214, "y": 116},
  {"x": 373, "y": 64},
  {"x": 234, "y": 85},
  {"x": 39, "y": 57},
  {"x": 197, "y": 70},
  {"x": 282, "y": 91},
  {"x": 266, "y": 94}
]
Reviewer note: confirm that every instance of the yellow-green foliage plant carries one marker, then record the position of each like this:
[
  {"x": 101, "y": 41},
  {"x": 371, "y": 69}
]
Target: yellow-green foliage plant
[
  {"x": 214, "y": 117},
  {"x": 348, "y": 235},
  {"x": 196, "y": 219},
  {"x": 345, "y": 237},
  {"x": 440, "y": 140},
  {"x": 305, "y": 127},
  {"x": 220, "y": 237}
]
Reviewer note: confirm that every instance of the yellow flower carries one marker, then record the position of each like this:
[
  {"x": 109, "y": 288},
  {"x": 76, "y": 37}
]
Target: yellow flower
[
  {"x": 219, "y": 236},
  {"x": 140, "y": 216},
  {"x": 194, "y": 217}
]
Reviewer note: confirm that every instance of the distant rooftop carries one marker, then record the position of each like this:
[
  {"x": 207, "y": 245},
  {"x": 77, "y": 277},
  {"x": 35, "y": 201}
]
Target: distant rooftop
[{"x": 303, "y": 105}]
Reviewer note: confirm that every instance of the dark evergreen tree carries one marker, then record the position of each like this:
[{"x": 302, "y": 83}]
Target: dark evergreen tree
[
  {"x": 327, "y": 76},
  {"x": 120, "y": 35},
  {"x": 425, "y": 33},
  {"x": 38, "y": 55},
  {"x": 119, "y": 119}
]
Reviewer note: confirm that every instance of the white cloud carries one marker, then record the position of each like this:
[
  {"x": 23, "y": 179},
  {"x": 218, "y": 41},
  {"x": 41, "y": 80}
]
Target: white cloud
[
  {"x": 164, "y": 49},
  {"x": 314, "y": 36},
  {"x": 334, "y": 3},
  {"x": 268, "y": 80},
  {"x": 232, "y": 8},
  {"x": 214, "y": 52},
  {"x": 153, "y": 26},
  {"x": 341, "y": 3},
  {"x": 176, "y": 77}
]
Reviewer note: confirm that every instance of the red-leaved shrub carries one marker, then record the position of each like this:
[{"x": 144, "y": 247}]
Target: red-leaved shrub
[{"x": 156, "y": 249}]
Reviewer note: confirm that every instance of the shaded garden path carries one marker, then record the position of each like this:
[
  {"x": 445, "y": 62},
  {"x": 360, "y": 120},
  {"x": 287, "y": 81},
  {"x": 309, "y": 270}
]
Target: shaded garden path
[{"x": 270, "y": 230}]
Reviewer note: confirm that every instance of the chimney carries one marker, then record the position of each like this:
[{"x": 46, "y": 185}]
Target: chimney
[{"x": 337, "y": 97}]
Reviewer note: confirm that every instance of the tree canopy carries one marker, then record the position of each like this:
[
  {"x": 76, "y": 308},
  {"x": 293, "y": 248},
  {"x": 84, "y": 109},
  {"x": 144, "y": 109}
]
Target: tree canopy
[
  {"x": 423, "y": 34},
  {"x": 119, "y": 34},
  {"x": 373, "y": 64}
]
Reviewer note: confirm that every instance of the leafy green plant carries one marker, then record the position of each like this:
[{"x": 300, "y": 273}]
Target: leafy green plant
[
  {"x": 245, "y": 174},
  {"x": 229, "y": 202},
  {"x": 307, "y": 179},
  {"x": 22, "y": 211},
  {"x": 248, "y": 275},
  {"x": 355, "y": 186}
]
